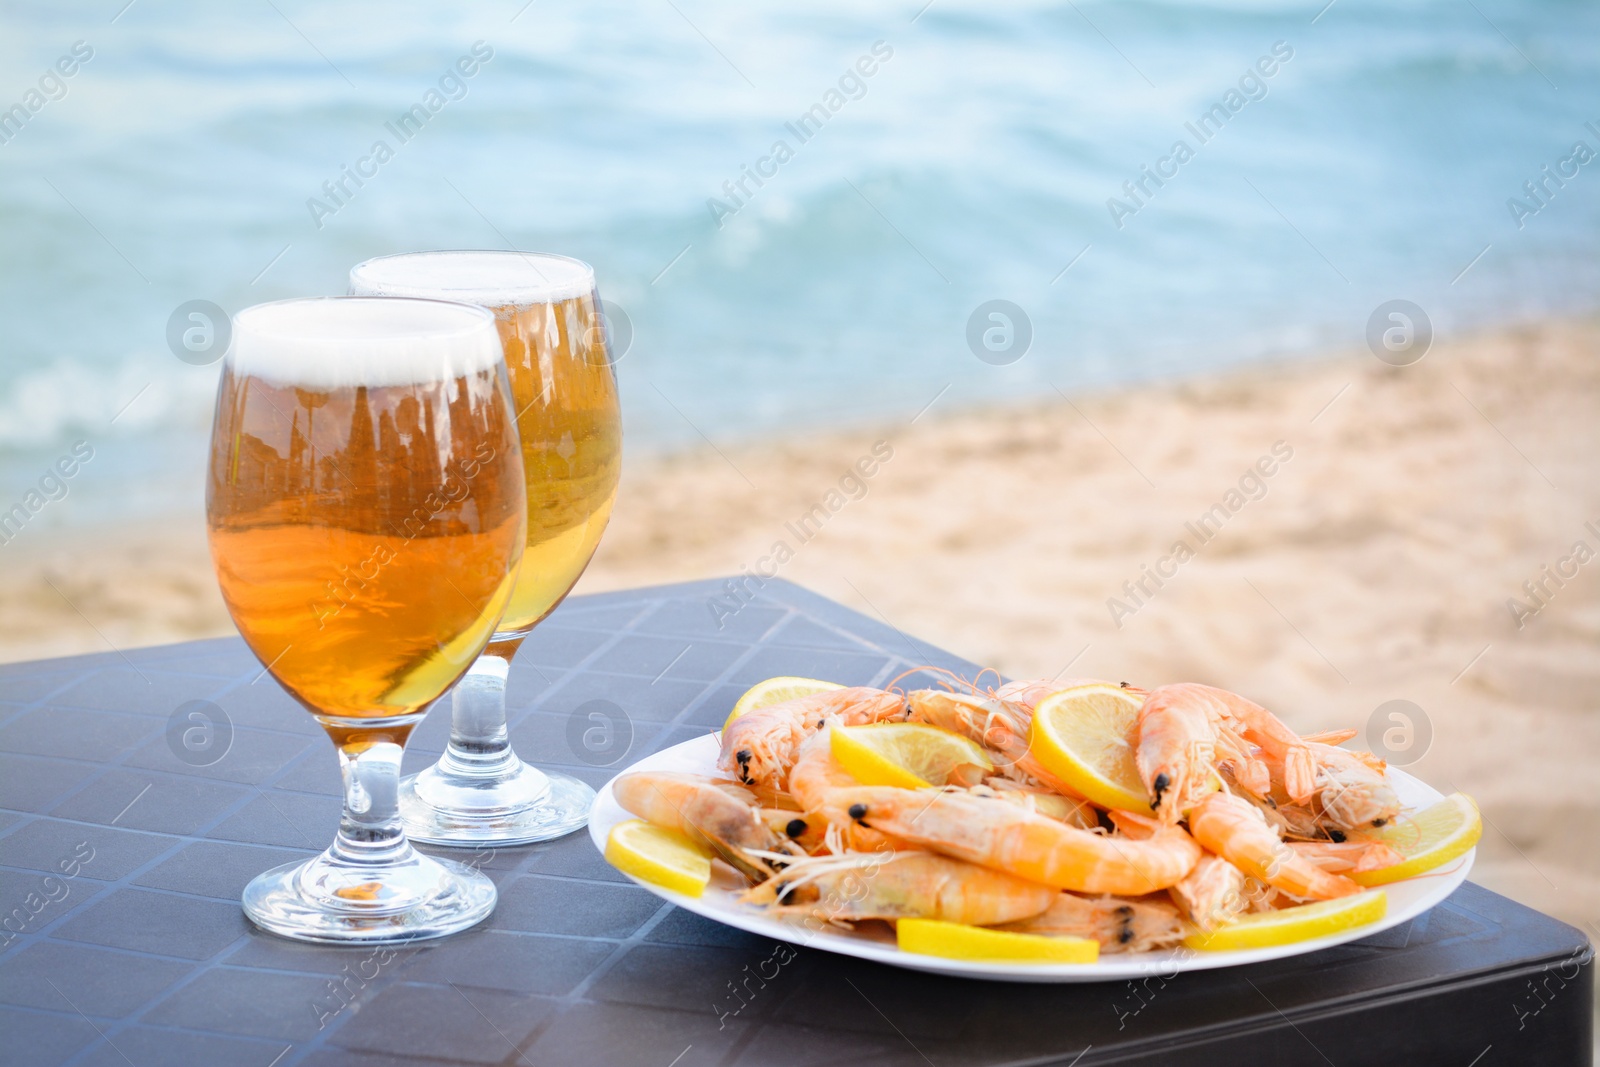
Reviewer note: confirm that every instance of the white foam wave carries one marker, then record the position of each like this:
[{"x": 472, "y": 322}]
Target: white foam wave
[{"x": 69, "y": 398}]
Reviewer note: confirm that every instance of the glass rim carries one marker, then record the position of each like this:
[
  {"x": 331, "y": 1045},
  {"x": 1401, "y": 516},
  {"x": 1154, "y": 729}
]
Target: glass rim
[{"x": 521, "y": 294}]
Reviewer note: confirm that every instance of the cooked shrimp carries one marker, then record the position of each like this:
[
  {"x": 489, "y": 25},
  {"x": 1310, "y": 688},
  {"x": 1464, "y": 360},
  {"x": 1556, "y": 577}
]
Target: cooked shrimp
[
  {"x": 1000, "y": 725},
  {"x": 1119, "y": 925},
  {"x": 1211, "y": 895},
  {"x": 806, "y": 832},
  {"x": 1177, "y": 750},
  {"x": 1347, "y": 856},
  {"x": 818, "y": 784},
  {"x": 1289, "y": 821},
  {"x": 1187, "y": 730},
  {"x": 759, "y": 747},
  {"x": 1008, "y": 838},
  {"x": 1352, "y": 794},
  {"x": 1238, "y": 832},
  {"x": 900, "y": 885},
  {"x": 1352, "y": 790},
  {"x": 717, "y": 814}
]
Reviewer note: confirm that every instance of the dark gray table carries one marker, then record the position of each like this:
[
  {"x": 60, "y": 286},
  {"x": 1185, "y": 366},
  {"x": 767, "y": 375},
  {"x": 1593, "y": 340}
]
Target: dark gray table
[{"x": 121, "y": 866}]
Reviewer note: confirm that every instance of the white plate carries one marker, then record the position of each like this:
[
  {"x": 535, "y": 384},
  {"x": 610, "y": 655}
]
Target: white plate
[{"x": 1407, "y": 900}]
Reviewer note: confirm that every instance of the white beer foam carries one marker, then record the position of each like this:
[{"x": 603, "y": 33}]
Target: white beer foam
[
  {"x": 335, "y": 342},
  {"x": 492, "y": 279}
]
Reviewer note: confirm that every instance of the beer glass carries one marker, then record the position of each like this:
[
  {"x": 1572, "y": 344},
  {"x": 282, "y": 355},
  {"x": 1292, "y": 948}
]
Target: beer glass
[
  {"x": 366, "y": 516},
  {"x": 565, "y": 391}
]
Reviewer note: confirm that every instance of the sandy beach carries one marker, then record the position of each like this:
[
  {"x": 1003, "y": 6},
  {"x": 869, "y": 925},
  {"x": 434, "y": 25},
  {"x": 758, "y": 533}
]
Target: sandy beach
[{"x": 1325, "y": 537}]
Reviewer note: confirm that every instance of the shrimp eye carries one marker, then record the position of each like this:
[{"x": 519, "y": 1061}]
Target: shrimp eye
[
  {"x": 858, "y": 812},
  {"x": 1160, "y": 786},
  {"x": 743, "y": 755},
  {"x": 795, "y": 828},
  {"x": 784, "y": 890},
  {"x": 1336, "y": 836},
  {"x": 1379, "y": 822}
]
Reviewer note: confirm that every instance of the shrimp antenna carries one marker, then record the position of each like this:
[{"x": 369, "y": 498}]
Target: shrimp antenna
[
  {"x": 999, "y": 680},
  {"x": 929, "y": 669}
]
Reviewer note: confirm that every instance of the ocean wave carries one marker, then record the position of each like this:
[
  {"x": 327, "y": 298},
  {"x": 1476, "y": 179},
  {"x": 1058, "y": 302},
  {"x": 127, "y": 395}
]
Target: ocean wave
[
  {"x": 69, "y": 398},
  {"x": 977, "y": 163}
]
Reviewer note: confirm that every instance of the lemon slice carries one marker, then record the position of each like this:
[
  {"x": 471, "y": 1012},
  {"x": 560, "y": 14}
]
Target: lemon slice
[
  {"x": 658, "y": 855},
  {"x": 776, "y": 691},
  {"x": 1430, "y": 838},
  {"x": 911, "y": 755},
  {"x": 1300, "y": 923},
  {"x": 1086, "y": 736},
  {"x": 955, "y": 941}
]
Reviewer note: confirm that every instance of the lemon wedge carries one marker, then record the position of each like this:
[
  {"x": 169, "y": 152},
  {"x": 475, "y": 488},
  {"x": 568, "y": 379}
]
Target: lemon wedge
[
  {"x": 911, "y": 755},
  {"x": 1086, "y": 736},
  {"x": 776, "y": 691},
  {"x": 1300, "y": 923},
  {"x": 955, "y": 941},
  {"x": 658, "y": 855},
  {"x": 1431, "y": 838}
]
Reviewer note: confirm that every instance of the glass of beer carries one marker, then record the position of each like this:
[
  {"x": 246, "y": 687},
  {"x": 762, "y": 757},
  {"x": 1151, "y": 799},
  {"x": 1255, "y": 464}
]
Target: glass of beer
[
  {"x": 565, "y": 391},
  {"x": 366, "y": 515}
]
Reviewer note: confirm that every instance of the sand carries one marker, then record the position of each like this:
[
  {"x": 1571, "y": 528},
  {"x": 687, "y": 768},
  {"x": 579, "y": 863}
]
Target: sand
[{"x": 1404, "y": 508}]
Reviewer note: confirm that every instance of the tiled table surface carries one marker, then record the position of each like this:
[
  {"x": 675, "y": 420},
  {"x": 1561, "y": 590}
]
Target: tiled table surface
[{"x": 123, "y": 853}]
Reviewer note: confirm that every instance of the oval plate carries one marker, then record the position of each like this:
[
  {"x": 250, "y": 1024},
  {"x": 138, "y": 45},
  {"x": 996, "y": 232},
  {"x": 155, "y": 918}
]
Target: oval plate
[{"x": 1407, "y": 900}]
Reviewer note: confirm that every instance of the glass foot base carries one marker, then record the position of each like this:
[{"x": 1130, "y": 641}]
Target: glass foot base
[
  {"x": 333, "y": 902},
  {"x": 519, "y": 808}
]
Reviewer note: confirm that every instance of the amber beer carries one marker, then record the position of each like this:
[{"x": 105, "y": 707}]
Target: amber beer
[
  {"x": 365, "y": 535},
  {"x": 571, "y": 450},
  {"x": 565, "y": 392},
  {"x": 365, "y": 509}
]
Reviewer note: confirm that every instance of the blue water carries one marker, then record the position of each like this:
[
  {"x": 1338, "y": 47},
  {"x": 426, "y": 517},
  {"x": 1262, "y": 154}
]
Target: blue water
[{"x": 974, "y": 163}]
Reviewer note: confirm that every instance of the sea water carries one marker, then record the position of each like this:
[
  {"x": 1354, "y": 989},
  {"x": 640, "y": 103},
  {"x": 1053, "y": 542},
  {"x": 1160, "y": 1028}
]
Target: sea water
[{"x": 795, "y": 212}]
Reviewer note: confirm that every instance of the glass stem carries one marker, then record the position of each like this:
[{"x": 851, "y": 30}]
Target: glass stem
[
  {"x": 480, "y": 745},
  {"x": 369, "y": 828}
]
